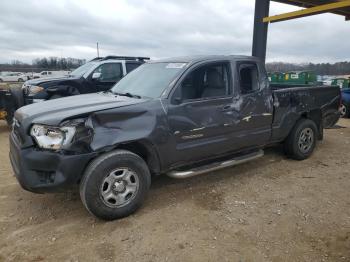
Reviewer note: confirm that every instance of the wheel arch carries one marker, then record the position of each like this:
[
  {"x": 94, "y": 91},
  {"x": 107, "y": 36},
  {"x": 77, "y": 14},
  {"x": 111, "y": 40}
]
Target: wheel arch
[
  {"x": 146, "y": 150},
  {"x": 316, "y": 116}
]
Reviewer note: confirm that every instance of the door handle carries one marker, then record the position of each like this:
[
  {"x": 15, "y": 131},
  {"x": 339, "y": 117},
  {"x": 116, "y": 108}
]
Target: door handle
[{"x": 226, "y": 108}]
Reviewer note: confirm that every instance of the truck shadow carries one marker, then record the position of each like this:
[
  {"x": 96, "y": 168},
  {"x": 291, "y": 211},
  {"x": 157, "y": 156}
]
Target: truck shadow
[{"x": 205, "y": 189}]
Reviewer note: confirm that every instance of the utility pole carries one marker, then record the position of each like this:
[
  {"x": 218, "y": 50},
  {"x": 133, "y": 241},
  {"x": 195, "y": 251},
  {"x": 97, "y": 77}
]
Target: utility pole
[{"x": 98, "y": 51}]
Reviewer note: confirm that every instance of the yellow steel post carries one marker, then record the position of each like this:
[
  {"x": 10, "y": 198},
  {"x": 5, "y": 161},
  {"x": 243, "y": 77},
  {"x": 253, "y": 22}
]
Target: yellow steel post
[{"x": 308, "y": 12}]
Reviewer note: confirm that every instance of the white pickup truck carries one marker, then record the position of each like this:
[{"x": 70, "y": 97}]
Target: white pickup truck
[{"x": 45, "y": 74}]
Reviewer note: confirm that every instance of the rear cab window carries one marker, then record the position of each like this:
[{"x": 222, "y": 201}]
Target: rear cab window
[
  {"x": 130, "y": 66},
  {"x": 248, "y": 75}
]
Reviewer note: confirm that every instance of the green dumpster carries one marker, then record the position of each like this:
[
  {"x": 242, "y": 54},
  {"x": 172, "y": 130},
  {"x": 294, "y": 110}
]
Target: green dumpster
[
  {"x": 276, "y": 77},
  {"x": 342, "y": 82},
  {"x": 300, "y": 78}
]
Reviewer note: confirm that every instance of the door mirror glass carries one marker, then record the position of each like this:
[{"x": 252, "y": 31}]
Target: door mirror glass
[{"x": 96, "y": 75}]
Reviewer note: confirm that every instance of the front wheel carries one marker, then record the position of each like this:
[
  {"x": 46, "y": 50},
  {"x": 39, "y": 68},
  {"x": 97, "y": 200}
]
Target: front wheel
[
  {"x": 301, "y": 141},
  {"x": 344, "y": 111},
  {"x": 115, "y": 185}
]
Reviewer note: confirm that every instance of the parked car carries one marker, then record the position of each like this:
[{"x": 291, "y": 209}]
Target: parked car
[
  {"x": 98, "y": 75},
  {"x": 46, "y": 74},
  {"x": 181, "y": 117},
  {"x": 345, "y": 106},
  {"x": 13, "y": 77}
]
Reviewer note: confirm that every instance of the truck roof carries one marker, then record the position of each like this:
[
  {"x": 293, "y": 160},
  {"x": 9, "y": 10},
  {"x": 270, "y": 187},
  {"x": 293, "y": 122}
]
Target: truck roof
[
  {"x": 200, "y": 58},
  {"x": 129, "y": 58}
]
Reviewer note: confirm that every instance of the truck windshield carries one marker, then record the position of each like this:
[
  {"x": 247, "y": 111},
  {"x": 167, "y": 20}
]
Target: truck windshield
[
  {"x": 82, "y": 69},
  {"x": 148, "y": 80}
]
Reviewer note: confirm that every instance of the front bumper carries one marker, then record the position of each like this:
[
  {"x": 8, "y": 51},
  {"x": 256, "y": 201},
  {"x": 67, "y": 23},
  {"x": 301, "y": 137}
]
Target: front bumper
[{"x": 42, "y": 171}]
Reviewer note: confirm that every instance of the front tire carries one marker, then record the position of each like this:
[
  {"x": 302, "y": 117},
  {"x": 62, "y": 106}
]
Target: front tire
[
  {"x": 115, "y": 185},
  {"x": 344, "y": 111},
  {"x": 301, "y": 141}
]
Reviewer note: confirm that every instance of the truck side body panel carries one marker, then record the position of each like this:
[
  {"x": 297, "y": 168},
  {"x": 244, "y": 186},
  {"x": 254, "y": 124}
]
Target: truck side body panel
[{"x": 319, "y": 103}]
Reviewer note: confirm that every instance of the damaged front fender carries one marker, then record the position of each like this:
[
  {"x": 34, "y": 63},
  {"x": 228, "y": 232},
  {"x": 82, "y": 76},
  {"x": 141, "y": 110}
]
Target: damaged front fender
[{"x": 144, "y": 123}]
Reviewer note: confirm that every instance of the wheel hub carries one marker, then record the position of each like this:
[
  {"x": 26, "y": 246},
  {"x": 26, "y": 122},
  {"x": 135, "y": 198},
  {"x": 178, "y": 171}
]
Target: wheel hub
[
  {"x": 119, "y": 186},
  {"x": 306, "y": 140}
]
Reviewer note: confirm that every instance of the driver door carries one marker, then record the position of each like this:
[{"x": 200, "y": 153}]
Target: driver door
[{"x": 198, "y": 113}]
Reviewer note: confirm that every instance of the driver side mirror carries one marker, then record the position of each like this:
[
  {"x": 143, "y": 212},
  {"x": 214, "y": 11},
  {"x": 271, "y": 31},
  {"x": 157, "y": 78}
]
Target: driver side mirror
[
  {"x": 177, "y": 100},
  {"x": 96, "y": 75}
]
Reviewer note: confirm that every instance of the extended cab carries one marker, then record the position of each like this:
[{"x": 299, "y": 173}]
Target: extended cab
[
  {"x": 181, "y": 117},
  {"x": 100, "y": 74}
]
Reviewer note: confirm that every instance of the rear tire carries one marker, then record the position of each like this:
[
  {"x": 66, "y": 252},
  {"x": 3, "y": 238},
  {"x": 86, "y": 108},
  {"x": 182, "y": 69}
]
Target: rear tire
[
  {"x": 115, "y": 185},
  {"x": 301, "y": 141},
  {"x": 20, "y": 80}
]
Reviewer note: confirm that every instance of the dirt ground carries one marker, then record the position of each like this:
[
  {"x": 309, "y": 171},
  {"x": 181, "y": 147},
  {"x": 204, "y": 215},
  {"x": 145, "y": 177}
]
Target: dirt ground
[{"x": 272, "y": 209}]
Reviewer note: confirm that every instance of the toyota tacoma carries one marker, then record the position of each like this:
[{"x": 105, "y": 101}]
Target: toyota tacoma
[{"x": 180, "y": 117}]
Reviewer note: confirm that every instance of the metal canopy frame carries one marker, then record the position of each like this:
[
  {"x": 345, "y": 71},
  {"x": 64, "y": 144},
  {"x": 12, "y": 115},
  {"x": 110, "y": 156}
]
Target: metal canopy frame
[
  {"x": 312, "y": 7},
  {"x": 319, "y": 9}
]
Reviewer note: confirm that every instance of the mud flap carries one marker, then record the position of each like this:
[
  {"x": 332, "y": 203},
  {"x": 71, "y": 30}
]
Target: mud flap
[{"x": 331, "y": 119}]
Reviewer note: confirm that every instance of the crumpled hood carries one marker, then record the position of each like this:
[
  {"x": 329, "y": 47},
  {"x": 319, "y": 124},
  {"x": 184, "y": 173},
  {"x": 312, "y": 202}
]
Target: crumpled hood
[{"x": 53, "y": 112}]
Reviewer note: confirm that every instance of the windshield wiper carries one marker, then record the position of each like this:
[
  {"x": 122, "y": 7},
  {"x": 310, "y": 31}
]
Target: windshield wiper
[{"x": 127, "y": 94}]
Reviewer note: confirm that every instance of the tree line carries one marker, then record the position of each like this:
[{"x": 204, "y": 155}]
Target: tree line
[
  {"x": 340, "y": 68},
  {"x": 56, "y": 63},
  {"x": 46, "y": 63}
]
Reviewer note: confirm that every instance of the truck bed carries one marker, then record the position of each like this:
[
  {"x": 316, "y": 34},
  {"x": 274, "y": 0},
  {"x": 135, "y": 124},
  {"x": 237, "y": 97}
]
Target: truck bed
[{"x": 292, "y": 101}]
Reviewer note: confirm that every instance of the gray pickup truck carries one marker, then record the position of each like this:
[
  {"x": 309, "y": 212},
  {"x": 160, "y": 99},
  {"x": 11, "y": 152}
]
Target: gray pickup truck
[{"x": 181, "y": 117}]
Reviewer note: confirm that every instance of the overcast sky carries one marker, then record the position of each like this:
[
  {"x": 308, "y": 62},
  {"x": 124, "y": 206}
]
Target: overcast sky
[{"x": 163, "y": 28}]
